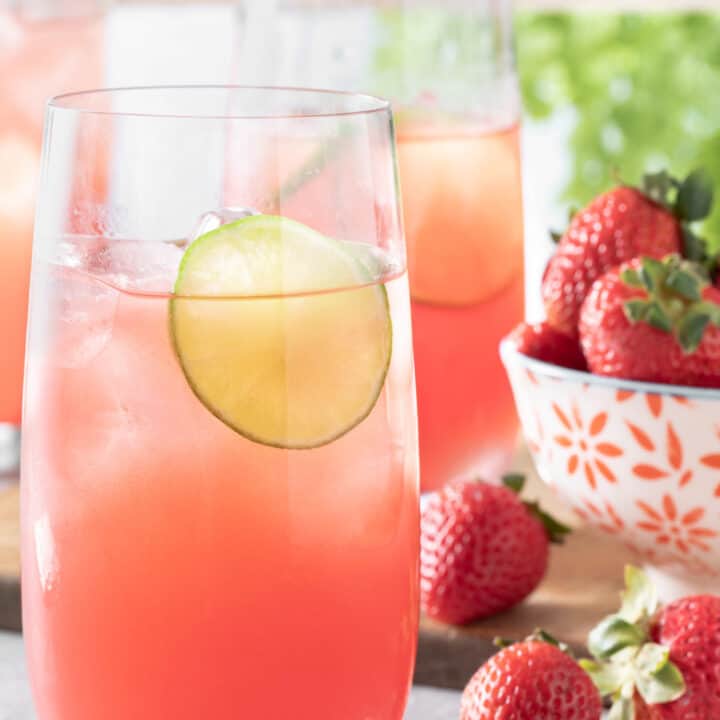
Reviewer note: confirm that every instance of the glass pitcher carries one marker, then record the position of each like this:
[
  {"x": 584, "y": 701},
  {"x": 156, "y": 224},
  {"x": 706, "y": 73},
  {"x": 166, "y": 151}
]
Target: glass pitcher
[
  {"x": 45, "y": 47},
  {"x": 448, "y": 66}
]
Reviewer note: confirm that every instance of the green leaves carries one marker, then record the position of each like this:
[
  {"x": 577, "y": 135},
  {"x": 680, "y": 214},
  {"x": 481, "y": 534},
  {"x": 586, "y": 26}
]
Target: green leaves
[
  {"x": 658, "y": 186},
  {"x": 625, "y": 660},
  {"x": 656, "y": 678},
  {"x": 689, "y": 200},
  {"x": 622, "y": 709},
  {"x": 632, "y": 277},
  {"x": 608, "y": 678},
  {"x": 639, "y": 599},
  {"x": 694, "y": 247},
  {"x": 656, "y": 316},
  {"x": 684, "y": 283},
  {"x": 691, "y": 330},
  {"x": 652, "y": 272},
  {"x": 673, "y": 300},
  {"x": 612, "y": 635},
  {"x": 694, "y": 197},
  {"x": 555, "y": 530},
  {"x": 650, "y": 312},
  {"x": 514, "y": 482}
]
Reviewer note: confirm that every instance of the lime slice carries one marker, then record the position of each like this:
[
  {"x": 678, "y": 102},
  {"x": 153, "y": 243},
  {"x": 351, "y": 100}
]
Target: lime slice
[{"x": 280, "y": 331}]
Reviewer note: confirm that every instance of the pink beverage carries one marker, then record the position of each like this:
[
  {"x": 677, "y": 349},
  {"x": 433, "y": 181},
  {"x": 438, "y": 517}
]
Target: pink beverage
[
  {"x": 463, "y": 219},
  {"x": 219, "y": 470},
  {"x": 173, "y": 569},
  {"x": 39, "y": 56}
]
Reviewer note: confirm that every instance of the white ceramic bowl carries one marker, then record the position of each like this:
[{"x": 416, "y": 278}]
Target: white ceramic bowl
[{"x": 637, "y": 460}]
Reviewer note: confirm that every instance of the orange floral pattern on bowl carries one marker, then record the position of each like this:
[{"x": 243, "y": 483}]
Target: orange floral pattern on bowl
[{"x": 637, "y": 463}]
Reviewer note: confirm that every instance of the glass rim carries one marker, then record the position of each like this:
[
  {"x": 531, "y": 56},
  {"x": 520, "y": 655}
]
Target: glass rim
[{"x": 368, "y": 104}]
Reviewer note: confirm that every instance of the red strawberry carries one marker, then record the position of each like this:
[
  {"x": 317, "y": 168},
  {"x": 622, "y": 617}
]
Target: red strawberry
[
  {"x": 690, "y": 629},
  {"x": 653, "y": 321},
  {"x": 531, "y": 680},
  {"x": 482, "y": 549},
  {"x": 616, "y": 227},
  {"x": 543, "y": 342},
  {"x": 670, "y": 656}
]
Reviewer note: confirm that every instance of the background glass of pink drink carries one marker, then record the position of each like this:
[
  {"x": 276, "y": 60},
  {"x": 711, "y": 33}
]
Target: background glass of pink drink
[
  {"x": 449, "y": 68},
  {"x": 173, "y": 568},
  {"x": 45, "y": 48},
  {"x": 463, "y": 220}
]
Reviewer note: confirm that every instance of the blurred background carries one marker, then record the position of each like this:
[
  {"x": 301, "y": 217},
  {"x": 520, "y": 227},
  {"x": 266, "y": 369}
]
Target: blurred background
[{"x": 609, "y": 88}]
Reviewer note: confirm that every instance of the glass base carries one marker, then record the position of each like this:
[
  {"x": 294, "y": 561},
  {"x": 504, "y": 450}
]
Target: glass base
[{"x": 9, "y": 453}]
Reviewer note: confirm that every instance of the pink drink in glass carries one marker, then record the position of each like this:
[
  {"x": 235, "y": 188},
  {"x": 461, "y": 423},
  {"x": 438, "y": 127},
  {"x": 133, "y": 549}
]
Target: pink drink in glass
[
  {"x": 463, "y": 220},
  {"x": 172, "y": 566}
]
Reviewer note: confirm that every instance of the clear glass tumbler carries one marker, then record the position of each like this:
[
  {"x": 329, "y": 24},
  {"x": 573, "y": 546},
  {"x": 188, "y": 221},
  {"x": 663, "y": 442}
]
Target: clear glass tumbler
[
  {"x": 448, "y": 66},
  {"x": 45, "y": 48},
  {"x": 219, "y": 476}
]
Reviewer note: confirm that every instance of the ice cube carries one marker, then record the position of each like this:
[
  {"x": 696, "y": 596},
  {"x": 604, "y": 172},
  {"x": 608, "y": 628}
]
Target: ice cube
[
  {"x": 214, "y": 219},
  {"x": 85, "y": 321},
  {"x": 141, "y": 266}
]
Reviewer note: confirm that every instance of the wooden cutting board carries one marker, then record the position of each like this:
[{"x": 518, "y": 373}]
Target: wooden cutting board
[{"x": 582, "y": 585}]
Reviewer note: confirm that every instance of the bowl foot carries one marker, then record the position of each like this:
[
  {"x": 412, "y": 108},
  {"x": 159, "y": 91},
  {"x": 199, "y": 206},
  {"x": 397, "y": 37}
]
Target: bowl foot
[{"x": 672, "y": 586}]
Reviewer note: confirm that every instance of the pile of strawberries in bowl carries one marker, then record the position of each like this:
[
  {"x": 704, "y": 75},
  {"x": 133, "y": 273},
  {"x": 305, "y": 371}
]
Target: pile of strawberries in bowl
[
  {"x": 618, "y": 389},
  {"x": 628, "y": 292}
]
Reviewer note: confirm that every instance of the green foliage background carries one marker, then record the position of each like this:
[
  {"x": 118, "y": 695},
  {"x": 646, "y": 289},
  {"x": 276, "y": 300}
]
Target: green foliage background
[{"x": 645, "y": 88}]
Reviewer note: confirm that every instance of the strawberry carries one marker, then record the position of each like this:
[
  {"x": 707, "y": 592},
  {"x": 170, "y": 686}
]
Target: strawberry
[
  {"x": 659, "y": 663},
  {"x": 656, "y": 321},
  {"x": 482, "y": 549},
  {"x": 531, "y": 680},
  {"x": 690, "y": 629},
  {"x": 617, "y": 226},
  {"x": 543, "y": 342}
]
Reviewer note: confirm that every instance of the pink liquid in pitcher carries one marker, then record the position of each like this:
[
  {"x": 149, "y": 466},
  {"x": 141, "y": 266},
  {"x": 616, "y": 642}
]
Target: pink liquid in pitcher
[{"x": 463, "y": 221}]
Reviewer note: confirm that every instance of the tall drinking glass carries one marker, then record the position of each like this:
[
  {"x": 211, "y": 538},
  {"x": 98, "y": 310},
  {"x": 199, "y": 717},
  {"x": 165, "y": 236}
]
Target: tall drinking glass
[
  {"x": 219, "y": 476},
  {"x": 448, "y": 66}
]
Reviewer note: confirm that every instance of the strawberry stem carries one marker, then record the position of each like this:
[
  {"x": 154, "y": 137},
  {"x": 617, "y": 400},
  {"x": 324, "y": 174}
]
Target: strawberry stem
[
  {"x": 689, "y": 200},
  {"x": 626, "y": 661},
  {"x": 514, "y": 482},
  {"x": 555, "y": 530}
]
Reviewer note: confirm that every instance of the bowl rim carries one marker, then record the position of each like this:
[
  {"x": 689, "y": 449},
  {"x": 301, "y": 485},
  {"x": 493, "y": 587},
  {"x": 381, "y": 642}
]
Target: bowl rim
[{"x": 510, "y": 354}]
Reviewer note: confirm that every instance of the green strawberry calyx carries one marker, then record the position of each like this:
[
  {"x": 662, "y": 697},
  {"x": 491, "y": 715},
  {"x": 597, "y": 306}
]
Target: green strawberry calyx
[
  {"x": 555, "y": 530},
  {"x": 537, "y": 635},
  {"x": 626, "y": 661},
  {"x": 689, "y": 200},
  {"x": 674, "y": 302}
]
